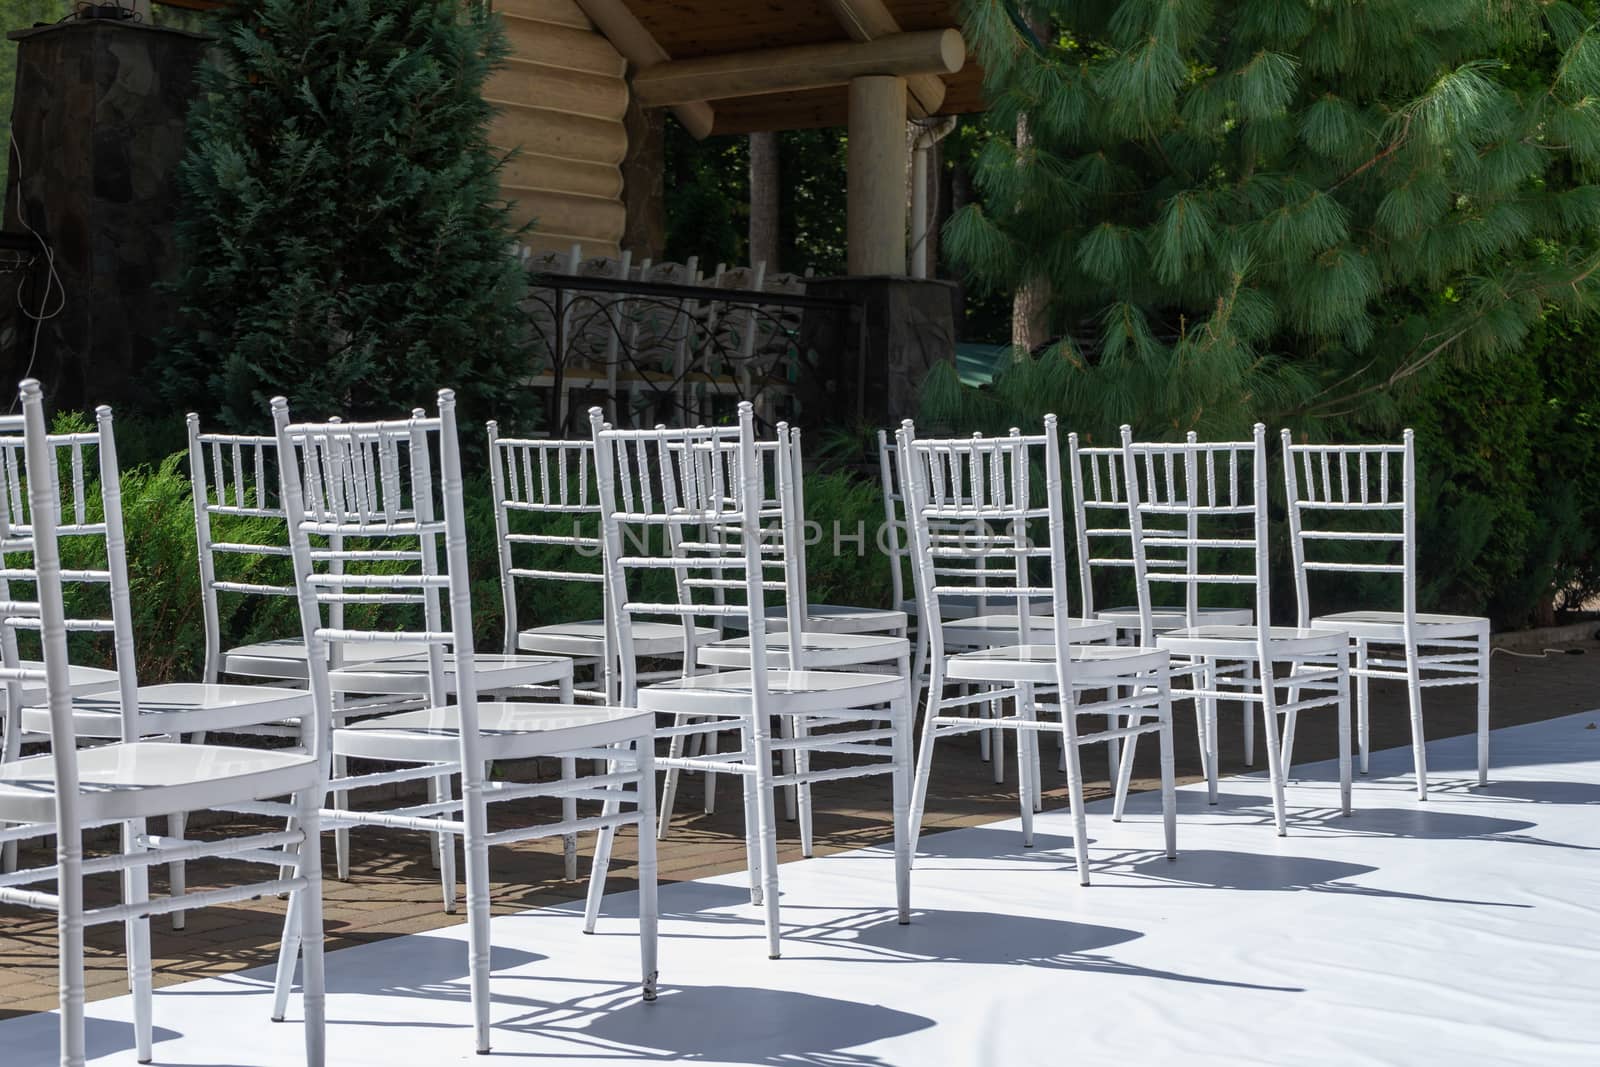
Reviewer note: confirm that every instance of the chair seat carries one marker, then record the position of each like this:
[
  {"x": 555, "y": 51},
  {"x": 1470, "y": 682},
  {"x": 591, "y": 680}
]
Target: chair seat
[
  {"x": 179, "y": 708},
  {"x": 146, "y": 778},
  {"x": 1036, "y": 664},
  {"x": 1390, "y": 625},
  {"x": 81, "y": 680},
  {"x": 509, "y": 730},
  {"x": 408, "y": 675},
  {"x": 587, "y": 640},
  {"x": 833, "y": 619},
  {"x": 792, "y": 692},
  {"x": 1005, "y": 628},
  {"x": 1239, "y": 642},
  {"x": 821, "y": 650},
  {"x": 1173, "y": 618},
  {"x": 285, "y": 659}
]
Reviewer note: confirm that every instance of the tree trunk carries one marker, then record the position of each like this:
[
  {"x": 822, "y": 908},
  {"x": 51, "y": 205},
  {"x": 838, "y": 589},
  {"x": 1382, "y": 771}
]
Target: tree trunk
[
  {"x": 764, "y": 201},
  {"x": 1030, "y": 304}
]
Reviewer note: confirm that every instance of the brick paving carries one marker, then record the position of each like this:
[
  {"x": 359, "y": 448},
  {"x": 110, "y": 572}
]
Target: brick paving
[{"x": 394, "y": 890}]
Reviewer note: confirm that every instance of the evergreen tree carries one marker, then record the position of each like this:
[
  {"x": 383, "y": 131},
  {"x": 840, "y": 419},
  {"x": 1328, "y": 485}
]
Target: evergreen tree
[
  {"x": 1279, "y": 209},
  {"x": 345, "y": 243}
]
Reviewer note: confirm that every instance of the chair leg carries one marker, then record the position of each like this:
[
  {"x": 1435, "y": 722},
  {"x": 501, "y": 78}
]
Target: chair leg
[
  {"x": 1169, "y": 793},
  {"x": 476, "y": 819},
  {"x": 1080, "y": 821},
  {"x": 752, "y": 825},
  {"x": 136, "y": 890},
  {"x": 710, "y": 806},
  {"x": 341, "y": 836},
  {"x": 1290, "y": 718},
  {"x": 903, "y": 718},
  {"x": 919, "y": 788},
  {"x": 288, "y": 956},
  {"x": 1419, "y": 743},
  {"x": 791, "y": 794},
  {"x": 1249, "y": 719},
  {"x": 177, "y": 872},
  {"x": 669, "y": 790},
  {"x": 10, "y": 749},
  {"x": 802, "y": 790},
  {"x": 1483, "y": 706},
  {"x": 445, "y": 845},
  {"x": 1363, "y": 736},
  {"x": 997, "y": 743},
  {"x": 648, "y": 906},
  {"x": 1025, "y": 712},
  {"x": 69, "y": 931},
  {"x": 313, "y": 996},
  {"x": 767, "y": 829},
  {"x": 601, "y": 867},
  {"x": 1344, "y": 730},
  {"x": 1269, "y": 718},
  {"x": 1209, "y": 736},
  {"x": 569, "y": 812}
]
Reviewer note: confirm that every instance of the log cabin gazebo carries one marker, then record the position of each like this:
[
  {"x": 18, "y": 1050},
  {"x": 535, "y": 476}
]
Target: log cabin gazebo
[{"x": 576, "y": 98}]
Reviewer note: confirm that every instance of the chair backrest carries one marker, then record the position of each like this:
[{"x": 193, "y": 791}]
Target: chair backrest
[
  {"x": 387, "y": 497},
  {"x": 1101, "y": 519},
  {"x": 546, "y": 514},
  {"x": 976, "y": 525},
  {"x": 91, "y": 552},
  {"x": 31, "y": 522},
  {"x": 1349, "y": 506},
  {"x": 685, "y": 502},
  {"x": 235, "y": 483},
  {"x": 895, "y": 541},
  {"x": 1199, "y": 518}
]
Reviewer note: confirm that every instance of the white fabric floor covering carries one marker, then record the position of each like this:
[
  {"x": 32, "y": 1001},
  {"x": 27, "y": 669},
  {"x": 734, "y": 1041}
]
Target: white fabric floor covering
[{"x": 1462, "y": 931}]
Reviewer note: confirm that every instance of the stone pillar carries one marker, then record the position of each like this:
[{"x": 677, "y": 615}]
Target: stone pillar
[
  {"x": 99, "y": 119},
  {"x": 871, "y": 368},
  {"x": 876, "y": 160}
]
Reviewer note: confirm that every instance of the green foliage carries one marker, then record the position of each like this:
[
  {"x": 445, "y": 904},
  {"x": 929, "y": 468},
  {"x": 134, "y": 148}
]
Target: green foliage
[
  {"x": 708, "y": 199},
  {"x": 343, "y": 237},
  {"x": 1509, "y": 507},
  {"x": 1276, "y": 209}
]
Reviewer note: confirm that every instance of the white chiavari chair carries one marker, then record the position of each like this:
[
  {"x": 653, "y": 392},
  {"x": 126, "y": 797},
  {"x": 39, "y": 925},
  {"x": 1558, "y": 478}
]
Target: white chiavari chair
[
  {"x": 666, "y": 493},
  {"x": 783, "y": 545},
  {"x": 985, "y": 488},
  {"x": 130, "y": 779},
  {"x": 539, "y": 481},
  {"x": 176, "y": 710},
  {"x": 402, "y": 534},
  {"x": 1199, "y": 515},
  {"x": 1103, "y": 524},
  {"x": 1362, "y": 498}
]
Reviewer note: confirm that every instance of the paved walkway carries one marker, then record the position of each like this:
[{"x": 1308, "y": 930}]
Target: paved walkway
[{"x": 394, "y": 891}]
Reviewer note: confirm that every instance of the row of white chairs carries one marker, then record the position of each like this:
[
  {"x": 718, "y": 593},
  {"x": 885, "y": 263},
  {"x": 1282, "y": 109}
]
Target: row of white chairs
[
  {"x": 1194, "y": 517},
  {"x": 698, "y": 532}
]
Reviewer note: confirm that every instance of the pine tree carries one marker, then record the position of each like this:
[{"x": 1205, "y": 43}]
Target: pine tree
[
  {"x": 345, "y": 243},
  {"x": 1281, "y": 209}
]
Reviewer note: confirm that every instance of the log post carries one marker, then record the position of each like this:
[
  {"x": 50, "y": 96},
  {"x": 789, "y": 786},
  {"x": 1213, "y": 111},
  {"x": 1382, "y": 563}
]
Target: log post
[{"x": 876, "y": 188}]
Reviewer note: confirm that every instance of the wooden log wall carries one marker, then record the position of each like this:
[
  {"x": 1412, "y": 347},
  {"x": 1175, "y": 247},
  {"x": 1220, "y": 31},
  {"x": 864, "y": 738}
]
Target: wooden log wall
[{"x": 562, "y": 97}]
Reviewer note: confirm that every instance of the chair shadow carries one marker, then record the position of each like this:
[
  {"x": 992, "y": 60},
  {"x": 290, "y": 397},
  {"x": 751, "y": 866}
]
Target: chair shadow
[
  {"x": 1252, "y": 872},
  {"x": 1422, "y": 823},
  {"x": 726, "y": 1024},
  {"x": 35, "y": 1039},
  {"x": 1577, "y": 794}
]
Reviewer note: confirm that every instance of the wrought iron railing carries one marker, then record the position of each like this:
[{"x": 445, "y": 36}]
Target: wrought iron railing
[{"x": 661, "y": 353}]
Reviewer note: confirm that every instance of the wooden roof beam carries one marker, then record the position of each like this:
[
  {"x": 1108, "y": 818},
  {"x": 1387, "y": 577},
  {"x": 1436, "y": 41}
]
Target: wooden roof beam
[
  {"x": 811, "y": 66},
  {"x": 867, "y": 20},
  {"x": 628, "y": 36}
]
